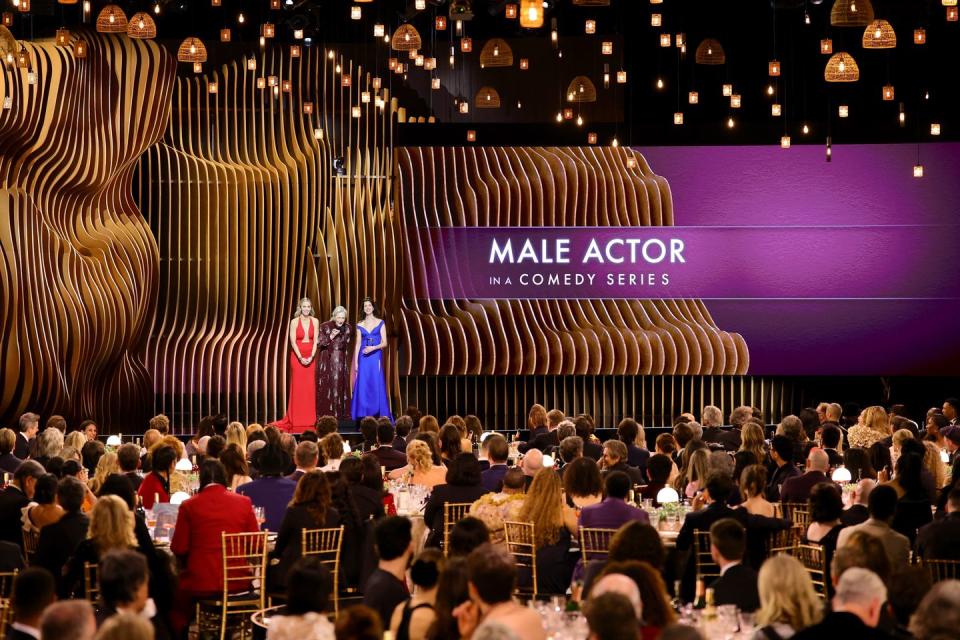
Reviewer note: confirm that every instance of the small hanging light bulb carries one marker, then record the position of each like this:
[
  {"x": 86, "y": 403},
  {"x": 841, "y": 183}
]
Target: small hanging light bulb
[
  {"x": 579, "y": 121},
  {"x": 784, "y": 142},
  {"x": 770, "y": 89},
  {"x": 829, "y": 149},
  {"x": 559, "y": 116},
  {"x": 241, "y": 19},
  {"x": 730, "y": 122},
  {"x": 806, "y": 129},
  {"x": 615, "y": 143},
  {"x": 659, "y": 83}
]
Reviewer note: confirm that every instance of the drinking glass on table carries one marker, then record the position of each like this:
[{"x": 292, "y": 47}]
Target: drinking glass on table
[
  {"x": 748, "y": 623},
  {"x": 261, "y": 515}
]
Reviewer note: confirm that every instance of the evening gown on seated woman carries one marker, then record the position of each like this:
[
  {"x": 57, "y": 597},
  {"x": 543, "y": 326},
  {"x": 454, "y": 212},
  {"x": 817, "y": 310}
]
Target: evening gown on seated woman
[
  {"x": 302, "y": 405},
  {"x": 370, "y": 389}
]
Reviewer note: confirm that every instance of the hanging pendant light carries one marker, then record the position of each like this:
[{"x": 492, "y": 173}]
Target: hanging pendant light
[
  {"x": 142, "y": 26},
  {"x": 851, "y": 13},
  {"x": 581, "y": 89},
  {"x": 879, "y": 34},
  {"x": 710, "y": 51},
  {"x": 112, "y": 19},
  {"x": 531, "y": 14},
  {"x": 192, "y": 50},
  {"x": 406, "y": 38},
  {"x": 841, "y": 68}
]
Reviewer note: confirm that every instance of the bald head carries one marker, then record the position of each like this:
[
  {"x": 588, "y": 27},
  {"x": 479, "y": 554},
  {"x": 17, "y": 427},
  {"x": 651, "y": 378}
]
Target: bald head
[
  {"x": 817, "y": 460},
  {"x": 619, "y": 583},
  {"x": 532, "y": 462},
  {"x": 68, "y": 620},
  {"x": 834, "y": 412},
  {"x": 861, "y": 494}
]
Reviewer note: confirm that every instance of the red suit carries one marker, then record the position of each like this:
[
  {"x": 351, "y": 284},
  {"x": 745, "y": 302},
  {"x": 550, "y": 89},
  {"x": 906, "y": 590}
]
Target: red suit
[
  {"x": 302, "y": 405},
  {"x": 198, "y": 545}
]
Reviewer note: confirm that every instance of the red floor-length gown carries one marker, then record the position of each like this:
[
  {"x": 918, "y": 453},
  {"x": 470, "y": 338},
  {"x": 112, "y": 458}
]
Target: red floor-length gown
[{"x": 301, "y": 407}]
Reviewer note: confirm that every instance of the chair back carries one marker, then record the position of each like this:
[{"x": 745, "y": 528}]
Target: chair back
[
  {"x": 244, "y": 560},
  {"x": 595, "y": 543},
  {"x": 814, "y": 560},
  {"x": 30, "y": 541},
  {"x": 943, "y": 569},
  {"x": 326, "y": 544},
  {"x": 707, "y": 569},
  {"x": 521, "y": 543},
  {"x": 6, "y": 584},
  {"x": 453, "y": 512},
  {"x": 783, "y": 541},
  {"x": 797, "y": 513},
  {"x": 91, "y": 582}
]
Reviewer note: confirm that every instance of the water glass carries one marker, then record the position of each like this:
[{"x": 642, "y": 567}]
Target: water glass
[
  {"x": 260, "y": 514},
  {"x": 748, "y": 623}
]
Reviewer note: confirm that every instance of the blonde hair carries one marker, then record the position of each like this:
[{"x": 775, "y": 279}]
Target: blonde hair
[
  {"x": 107, "y": 464},
  {"x": 161, "y": 423},
  {"x": 428, "y": 423},
  {"x": 337, "y": 310},
  {"x": 751, "y": 435},
  {"x": 111, "y": 525},
  {"x": 537, "y": 417},
  {"x": 75, "y": 439},
  {"x": 543, "y": 507},
  {"x": 170, "y": 441},
  {"x": 876, "y": 418},
  {"x": 254, "y": 427},
  {"x": 695, "y": 469},
  {"x": 300, "y": 304},
  {"x": 786, "y": 594},
  {"x": 236, "y": 434},
  {"x": 900, "y": 436},
  {"x": 419, "y": 455}
]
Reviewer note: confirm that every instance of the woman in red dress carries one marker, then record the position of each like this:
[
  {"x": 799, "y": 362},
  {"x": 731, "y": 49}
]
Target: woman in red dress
[{"x": 301, "y": 407}]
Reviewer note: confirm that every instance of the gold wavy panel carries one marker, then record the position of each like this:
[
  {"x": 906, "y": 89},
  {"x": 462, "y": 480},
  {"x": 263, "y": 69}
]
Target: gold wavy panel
[
  {"x": 78, "y": 264},
  {"x": 242, "y": 196},
  {"x": 524, "y": 186}
]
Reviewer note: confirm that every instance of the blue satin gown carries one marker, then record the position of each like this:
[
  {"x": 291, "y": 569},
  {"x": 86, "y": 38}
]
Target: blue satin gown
[{"x": 370, "y": 389}]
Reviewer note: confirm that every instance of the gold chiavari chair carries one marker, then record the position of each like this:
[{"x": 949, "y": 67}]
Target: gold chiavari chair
[
  {"x": 6, "y": 617},
  {"x": 595, "y": 543},
  {"x": 30, "y": 541},
  {"x": 6, "y": 590},
  {"x": 797, "y": 513},
  {"x": 783, "y": 541},
  {"x": 325, "y": 543},
  {"x": 453, "y": 512},
  {"x": 707, "y": 569},
  {"x": 244, "y": 557},
  {"x": 943, "y": 569},
  {"x": 520, "y": 541},
  {"x": 91, "y": 582},
  {"x": 814, "y": 560}
]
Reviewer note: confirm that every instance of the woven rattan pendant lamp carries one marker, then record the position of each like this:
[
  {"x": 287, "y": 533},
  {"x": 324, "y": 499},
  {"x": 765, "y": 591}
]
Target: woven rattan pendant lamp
[
  {"x": 192, "y": 50},
  {"x": 142, "y": 26},
  {"x": 112, "y": 19},
  {"x": 841, "y": 68},
  {"x": 496, "y": 53},
  {"x": 487, "y": 98},
  {"x": 879, "y": 34},
  {"x": 710, "y": 51},
  {"x": 851, "y": 13},
  {"x": 581, "y": 89},
  {"x": 406, "y": 38}
]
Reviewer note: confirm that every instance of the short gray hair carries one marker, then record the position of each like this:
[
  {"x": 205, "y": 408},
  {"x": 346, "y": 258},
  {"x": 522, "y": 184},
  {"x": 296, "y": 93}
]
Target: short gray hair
[
  {"x": 68, "y": 620},
  {"x": 617, "y": 448},
  {"x": 697, "y": 429},
  {"x": 792, "y": 427},
  {"x": 338, "y": 309},
  {"x": 27, "y": 419},
  {"x": 571, "y": 447},
  {"x": 307, "y": 453},
  {"x": 712, "y": 416},
  {"x": 938, "y": 616},
  {"x": 50, "y": 443},
  {"x": 740, "y": 415},
  {"x": 860, "y": 586}
]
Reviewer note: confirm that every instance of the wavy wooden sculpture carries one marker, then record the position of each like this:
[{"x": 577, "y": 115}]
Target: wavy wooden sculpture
[
  {"x": 78, "y": 264},
  {"x": 250, "y": 217},
  {"x": 523, "y": 186}
]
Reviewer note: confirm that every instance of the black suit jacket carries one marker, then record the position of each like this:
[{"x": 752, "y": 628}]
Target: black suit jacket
[
  {"x": 11, "y": 557},
  {"x": 400, "y": 445},
  {"x": 856, "y": 514},
  {"x": 841, "y": 625},
  {"x": 592, "y": 450},
  {"x": 836, "y": 459},
  {"x": 730, "y": 439},
  {"x": 738, "y": 585},
  {"x": 938, "y": 540},
  {"x": 711, "y": 434},
  {"x": 442, "y": 494},
  {"x": 798, "y": 488},
  {"x": 10, "y": 462},
  {"x": 22, "y": 448},
  {"x": 134, "y": 479},
  {"x": 543, "y": 440},
  {"x": 369, "y": 502},
  {"x": 12, "y": 500},
  {"x": 14, "y": 634},
  {"x": 390, "y": 458},
  {"x": 638, "y": 457},
  {"x": 635, "y": 476},
  {"x": 57, "y": 543}
]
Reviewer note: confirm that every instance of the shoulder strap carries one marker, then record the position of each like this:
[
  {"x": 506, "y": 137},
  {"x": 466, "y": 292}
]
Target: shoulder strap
[{"x": 770, "y": 633}]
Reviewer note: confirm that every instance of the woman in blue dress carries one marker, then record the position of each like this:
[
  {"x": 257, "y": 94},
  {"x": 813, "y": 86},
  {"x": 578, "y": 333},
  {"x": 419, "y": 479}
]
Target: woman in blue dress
[{"x": 370, "y": 387}]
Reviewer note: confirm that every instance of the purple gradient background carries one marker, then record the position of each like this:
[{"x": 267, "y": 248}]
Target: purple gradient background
[{"x": 864, "y": 185}]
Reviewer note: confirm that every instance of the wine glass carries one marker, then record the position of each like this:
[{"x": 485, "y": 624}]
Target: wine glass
[{"x": 260, "y": 515}]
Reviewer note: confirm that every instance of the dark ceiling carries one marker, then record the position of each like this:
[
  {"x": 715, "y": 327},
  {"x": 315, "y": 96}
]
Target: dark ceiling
[{"x": 752, "y": 32}]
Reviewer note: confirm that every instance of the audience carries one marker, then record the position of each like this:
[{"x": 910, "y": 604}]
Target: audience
[
  {"x": 626, "y": 623},
  {"x": 58, "y": 541},
  {"x": 491, "y": 579},
  {"x": 34, "y": 590},
  {"x": 8, "y": 460},
  {"x": 420, "y": 468},
  {"x": 111, "y": 528},
  {"x": 307, "y": 458},
  {"x": 197, "y": 541},
  {"x": 737, "y": 583},
  {"x": 123, "y": 579},
  {"x": 358, "y": 622},
  {"x": 15, "y": 497},
  {"x": 498, "y": 452},
  {"x": 271, "y": 490},
  {"x": 614, "y": 510},
  {"x": 582, "y": 483},
  {"x": 309, "y": 586},
  {"x": 386, "y": 587},
  {"x": 463, "y": 485},
  {"x": 68, "y": 620},
  {"x": 553, "y": 523},
  {"x": 615, "y": 459},
  {"x": 412, "y": 619},
  {"x": 798, "y": 488},
  {"x": 940, "y": 540},
  {"x": 788, "y": 601},
  {"x": 938, "y": 616},
  {"x": 156, "y": 484},
  {"x": 493, "y": 508},
  {"x": 858, "y": 512},
  {"x": 466, "y": 535},
  {"x": 657, "y": 610},
  {"x": 781, "y": 455},
  {"x": 630, "y": 433},
  {"x": 753, "y": 481},
  {"x": 856, "y": 610},
  {"x": 882, "y": 506},
  {"x": 659, "y": 468},
  {"x": 633, "y": 542},
  {"x": 310, "y": 508}
]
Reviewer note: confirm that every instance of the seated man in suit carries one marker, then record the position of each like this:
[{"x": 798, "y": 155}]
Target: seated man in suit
[
  {"x": 781, "y": 453},
  {"x": 614, "y": 511},
  {"x": 830, "y": 436},
  {"x": 197, "y": 540},
  {"x": 8, "y": 461},
  {"x": 307, "y": 458},
  {"x": 388, "y": 457},
  {"x": 15, "y": 497},
  {"x": 797, "y": 489},
  {"x": 128, "y": 457},
  {"x": 659, "y": 468},
  {"x": 938, "y": 539},
  {"x": 403, "y": 426},
  {"x": 29, "y": 426},
  {"x": 498, "y": 451},
  {"x": 630, "y": 433},
  {"x": 271, "y": 490},
  {"x": 737, "y": 583},
  {"x": 33, "y": 591},
  {"x": 856, "y": 609},
  {"x": 59, "y": 540},
  {"x": 615, "y": 459},
  {"x": 882, "y": 506}
]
